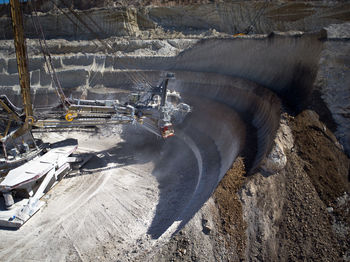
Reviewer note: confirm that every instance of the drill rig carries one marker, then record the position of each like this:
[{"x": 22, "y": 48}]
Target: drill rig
[{"x": 28, "y": 168}]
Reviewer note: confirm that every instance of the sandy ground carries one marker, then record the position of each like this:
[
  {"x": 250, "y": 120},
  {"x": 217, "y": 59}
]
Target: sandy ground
[
  {"x": 135, "y": 192},
  {"x": 91, "y": 209}
]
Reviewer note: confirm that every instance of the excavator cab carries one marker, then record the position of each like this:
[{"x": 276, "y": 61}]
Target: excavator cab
[{"x": 167, "y": 130}]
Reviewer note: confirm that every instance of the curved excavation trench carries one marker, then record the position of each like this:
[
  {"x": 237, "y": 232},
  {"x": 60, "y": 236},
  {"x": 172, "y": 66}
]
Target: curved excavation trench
[{"x": 138, "y": 190}]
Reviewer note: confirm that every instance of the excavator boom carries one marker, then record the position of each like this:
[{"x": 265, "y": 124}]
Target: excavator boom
[{"x": 21, "y": 54}]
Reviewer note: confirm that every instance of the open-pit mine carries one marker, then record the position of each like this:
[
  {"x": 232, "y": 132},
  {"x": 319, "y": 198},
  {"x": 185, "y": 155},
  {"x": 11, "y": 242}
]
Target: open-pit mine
[{"x": 208, "y": 131}]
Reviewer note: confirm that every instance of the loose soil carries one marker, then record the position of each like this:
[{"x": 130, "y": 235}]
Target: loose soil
[{"x": 231, "y": 224}]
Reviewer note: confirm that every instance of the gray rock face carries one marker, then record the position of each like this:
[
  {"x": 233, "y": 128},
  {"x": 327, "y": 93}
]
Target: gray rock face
[
  {"x": 2, "y": 65},
  {"x": 333, "y": 79},
  {"x": 9, "y": 80},
  {"x": 276, "y": 160},
  {"x": 240, "y": 57},
  {"x": 224, "y": 16},
  {"x": 292, "y": 64},
  {"x": 338, "y": 31}
]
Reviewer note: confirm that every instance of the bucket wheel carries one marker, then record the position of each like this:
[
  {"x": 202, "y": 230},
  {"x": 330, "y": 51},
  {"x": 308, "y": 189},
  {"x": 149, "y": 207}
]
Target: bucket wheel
[{"x": 70, "y": 116}]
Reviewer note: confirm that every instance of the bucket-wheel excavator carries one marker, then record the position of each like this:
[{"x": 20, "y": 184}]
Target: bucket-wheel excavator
[{"x": 29, "y": 168}]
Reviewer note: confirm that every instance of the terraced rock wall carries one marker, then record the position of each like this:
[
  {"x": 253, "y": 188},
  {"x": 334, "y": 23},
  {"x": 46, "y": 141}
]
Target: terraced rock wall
[
  {"x": 292, "y": 67},
  {"x": 139, "y": 18}
]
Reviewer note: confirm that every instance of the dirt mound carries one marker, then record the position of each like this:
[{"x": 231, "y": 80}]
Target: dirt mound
[
  {"x": 324, "y": 160},
  {"x": 327, "y": 167},
  {"x": 301, "y": 212},
  {"x": 231, "y": 224}
]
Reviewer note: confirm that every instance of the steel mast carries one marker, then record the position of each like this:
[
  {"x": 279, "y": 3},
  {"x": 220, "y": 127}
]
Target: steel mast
[{"x": 22, "y": 65}]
